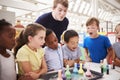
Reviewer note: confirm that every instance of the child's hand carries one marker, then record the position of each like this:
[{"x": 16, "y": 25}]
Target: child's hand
[
  {"x": 83, "y": 62},
  {"x": 25, "y": 77},
  {"x": 34, "y": 75},
  {"x": 117, "y": 62},
  {"x": 88, "y": 59},
  {"x": 70, "y": 63}
]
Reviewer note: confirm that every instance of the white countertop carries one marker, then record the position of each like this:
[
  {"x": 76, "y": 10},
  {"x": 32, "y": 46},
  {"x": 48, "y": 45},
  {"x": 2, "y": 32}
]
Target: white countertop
[{"x": 114, "y": 74}]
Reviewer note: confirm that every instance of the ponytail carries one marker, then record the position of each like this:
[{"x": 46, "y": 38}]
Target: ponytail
[
  {"x": 20, "y": 41},
  {"x": 30, "y": 30}
]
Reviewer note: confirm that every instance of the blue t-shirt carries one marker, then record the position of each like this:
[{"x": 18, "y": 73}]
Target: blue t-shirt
[
  {"x": 97, "y": 47},
  {"x": 48, "y": 21}
]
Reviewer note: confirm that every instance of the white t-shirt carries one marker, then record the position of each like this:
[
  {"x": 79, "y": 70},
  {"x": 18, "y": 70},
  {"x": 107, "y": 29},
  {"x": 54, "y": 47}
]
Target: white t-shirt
[
  {"x": 7, "y": 67},
  {"x": 71, "y": 55}
]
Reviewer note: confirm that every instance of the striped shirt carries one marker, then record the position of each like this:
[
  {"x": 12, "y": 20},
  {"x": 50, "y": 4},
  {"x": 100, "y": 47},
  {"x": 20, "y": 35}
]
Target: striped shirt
[{"x": 54, "y": 58}]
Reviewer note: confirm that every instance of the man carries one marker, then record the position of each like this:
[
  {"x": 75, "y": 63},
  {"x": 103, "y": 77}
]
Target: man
[{"x": 56, "y": 19}]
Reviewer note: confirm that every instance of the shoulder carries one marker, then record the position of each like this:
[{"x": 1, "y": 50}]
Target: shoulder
[
  {"x": 116, "y": 44},
  {"x": 46, "y": 15},
  {"x": 86, "y": 38},
  {"x": 66, "y": 19},
  {"x": 64, "y": 46},
  {"x": 46, "y": 49},
  {"x": 24, "y": 50},
  {"x": 43, "y": 18},
  {"x": 103, "y": 36}
]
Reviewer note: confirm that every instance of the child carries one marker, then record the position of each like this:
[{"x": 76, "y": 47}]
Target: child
[
  {"x": 7, "y": 42},
  {"x": 30, "y": 55},
  {"x": 71, "y": 51},
  {"x": 98, "y": 46},
  {"x": 116, "y": 46},
  {"x": 53, "y": 51}
]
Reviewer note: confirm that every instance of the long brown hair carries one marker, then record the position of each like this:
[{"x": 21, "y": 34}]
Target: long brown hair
[{"x": 30, "y": 30}]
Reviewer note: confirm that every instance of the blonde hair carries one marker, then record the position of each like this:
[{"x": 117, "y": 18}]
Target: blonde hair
[{"x": 118, "y": 25}]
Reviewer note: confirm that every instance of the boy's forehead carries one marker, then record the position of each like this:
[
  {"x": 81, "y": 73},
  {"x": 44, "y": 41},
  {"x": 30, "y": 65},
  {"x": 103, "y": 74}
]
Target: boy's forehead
[{"x": 93, "y": 23}]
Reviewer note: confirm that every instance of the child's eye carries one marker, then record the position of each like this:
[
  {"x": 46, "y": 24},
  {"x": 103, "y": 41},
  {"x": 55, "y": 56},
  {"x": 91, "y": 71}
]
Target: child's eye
[{"x": 41, "y": 38}]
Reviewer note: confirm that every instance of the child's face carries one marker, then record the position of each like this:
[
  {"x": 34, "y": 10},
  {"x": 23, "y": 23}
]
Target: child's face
[
  {"x": 52, "y": 41},
  {"x": 7, "y": 38},
  {"x": 92, "y": 29},
  {"x": 117, "y": 32},
  {"x": 59, "y": 12},
  {"x": 73, "y": 43},
  {"x": 38, "y": 40}
]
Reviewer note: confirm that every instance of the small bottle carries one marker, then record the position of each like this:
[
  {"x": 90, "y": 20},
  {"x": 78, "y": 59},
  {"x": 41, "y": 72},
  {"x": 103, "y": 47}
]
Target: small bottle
[
  {"x": 113, "y": 66},
  {"x": 107, "y": 69},
  {"x": 105, "y": 65},
  {"x": 75, "y": 69},
  {"x": 101, "y": 66},
  {"x": 63, "y": 75},
  {"x": 81, "y": 71},
  {"x": 68, "y": 73}
]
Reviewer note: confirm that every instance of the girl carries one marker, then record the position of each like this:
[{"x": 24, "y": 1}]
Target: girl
[
  {"x": 53, "y": 51},
  {"x": 30, "y": 55},
  {"x": 116, "y": 46},
  {"x": 7, "y": 41}
]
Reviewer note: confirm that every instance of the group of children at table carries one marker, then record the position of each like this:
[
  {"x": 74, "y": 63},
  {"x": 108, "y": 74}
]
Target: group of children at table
[{"x": 34, "y": 61}]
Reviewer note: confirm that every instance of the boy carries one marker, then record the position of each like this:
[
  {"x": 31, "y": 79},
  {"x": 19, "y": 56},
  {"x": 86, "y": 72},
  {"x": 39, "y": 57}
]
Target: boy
[
  {"x": 56, "y": 19},
  {"x": 71, "y": 51},
  {"x": 53, "y": 51},
  {"x": 116, "y": 46},
  {"x": 7, "y": 42},
  {"x": 98, "y": 46}
]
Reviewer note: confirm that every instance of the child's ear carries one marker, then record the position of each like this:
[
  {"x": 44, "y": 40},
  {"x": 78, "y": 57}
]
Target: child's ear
[{"x": 30, "y": 38}]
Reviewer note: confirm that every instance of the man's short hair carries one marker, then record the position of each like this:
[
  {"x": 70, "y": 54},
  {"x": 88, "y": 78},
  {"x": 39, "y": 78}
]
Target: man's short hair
[{"x": 63, "y": 2}]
